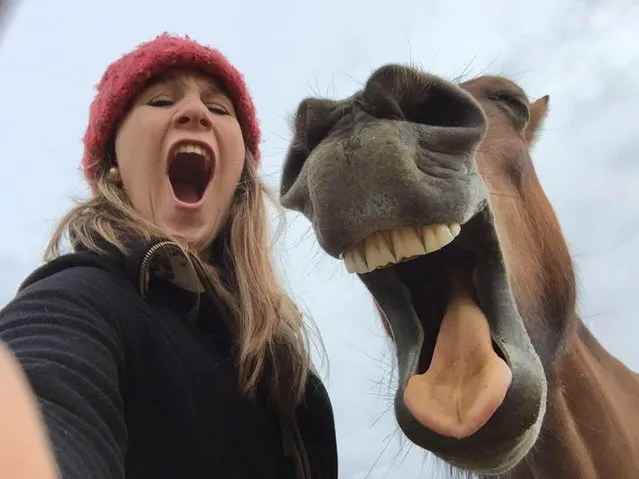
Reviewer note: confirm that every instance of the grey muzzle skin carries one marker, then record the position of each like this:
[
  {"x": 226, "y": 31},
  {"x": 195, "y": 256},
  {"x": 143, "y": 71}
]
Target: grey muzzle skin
[
  {"x": 401, "y": 153},
  {"x": 382, "y": 159}
]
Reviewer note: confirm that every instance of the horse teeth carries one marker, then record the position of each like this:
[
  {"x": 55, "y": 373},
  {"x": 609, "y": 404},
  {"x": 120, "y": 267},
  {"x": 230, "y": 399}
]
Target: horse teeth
[{"x": 384, "y": 248}]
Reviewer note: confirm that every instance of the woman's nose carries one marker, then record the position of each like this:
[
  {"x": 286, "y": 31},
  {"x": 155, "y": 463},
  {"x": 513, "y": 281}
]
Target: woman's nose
[{"x": 193, "y": 115}]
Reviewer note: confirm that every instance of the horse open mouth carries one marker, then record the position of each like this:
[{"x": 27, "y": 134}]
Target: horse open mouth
[
  {"x": 455, "y": 375},
  {"x": 190, "y": 172}
]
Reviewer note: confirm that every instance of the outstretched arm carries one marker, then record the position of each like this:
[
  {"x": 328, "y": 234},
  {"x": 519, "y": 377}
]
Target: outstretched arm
[
  {"x": 24, "y": 448},
  {"x": 63, "y": 332}
]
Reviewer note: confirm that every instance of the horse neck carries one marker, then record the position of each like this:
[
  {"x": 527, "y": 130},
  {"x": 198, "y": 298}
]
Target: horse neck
[{"x": 591, "y": 428}]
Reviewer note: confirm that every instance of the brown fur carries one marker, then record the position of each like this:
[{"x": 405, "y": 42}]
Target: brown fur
[{"x": 412, "y": 149}]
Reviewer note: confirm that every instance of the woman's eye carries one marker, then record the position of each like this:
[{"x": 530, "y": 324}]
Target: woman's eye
[
  {"x": 220, "y": 110},
  {"x": 160, "y": 102}
]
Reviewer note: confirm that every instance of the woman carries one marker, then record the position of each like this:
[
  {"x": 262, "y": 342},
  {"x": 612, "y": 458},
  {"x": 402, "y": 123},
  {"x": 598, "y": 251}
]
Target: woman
[{"x": 163, "y": 345}]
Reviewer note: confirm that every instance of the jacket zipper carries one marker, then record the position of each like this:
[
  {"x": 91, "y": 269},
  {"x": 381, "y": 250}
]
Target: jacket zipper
[
  {"x": 146, "y": 263},
  {"x": 145, "y": 273}
]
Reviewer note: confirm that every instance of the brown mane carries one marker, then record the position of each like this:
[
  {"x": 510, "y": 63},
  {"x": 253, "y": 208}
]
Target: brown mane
[{"x": 412, "y": 150}]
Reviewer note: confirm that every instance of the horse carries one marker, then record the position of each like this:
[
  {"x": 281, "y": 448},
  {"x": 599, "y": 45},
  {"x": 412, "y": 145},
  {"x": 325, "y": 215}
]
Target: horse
[{"x": 426, "y": 190}]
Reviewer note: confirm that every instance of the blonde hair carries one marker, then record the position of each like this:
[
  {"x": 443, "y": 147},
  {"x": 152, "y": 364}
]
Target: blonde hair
[{"x": 266, "y": 324}]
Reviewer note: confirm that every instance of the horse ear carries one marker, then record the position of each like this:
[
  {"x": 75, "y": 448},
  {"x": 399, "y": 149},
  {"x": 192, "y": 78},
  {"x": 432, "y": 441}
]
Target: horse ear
[{"x": 538, "y": 112}]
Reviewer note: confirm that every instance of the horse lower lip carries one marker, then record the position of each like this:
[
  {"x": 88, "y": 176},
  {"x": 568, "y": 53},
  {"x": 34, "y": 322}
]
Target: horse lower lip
[
  {"x": 425, "y": 282},
  {"x": 429, "y": 281},
  {"x": 466, "y": 380}
]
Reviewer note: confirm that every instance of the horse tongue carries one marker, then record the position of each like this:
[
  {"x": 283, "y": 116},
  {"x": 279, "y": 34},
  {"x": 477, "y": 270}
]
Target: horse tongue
[
  {"x": 466, "y": 381},
  {"x": 185, "y": 191}
]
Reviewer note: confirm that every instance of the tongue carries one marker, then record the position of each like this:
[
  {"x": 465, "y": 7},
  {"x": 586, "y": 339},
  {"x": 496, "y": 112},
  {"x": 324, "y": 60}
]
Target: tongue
[
  {"x": 185, "y": 191},
  {"x": 466, "y": 381}
]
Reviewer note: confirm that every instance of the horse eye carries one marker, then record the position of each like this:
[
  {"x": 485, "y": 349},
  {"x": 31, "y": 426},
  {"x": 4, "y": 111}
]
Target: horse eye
[{"x": 514, "y": 104}]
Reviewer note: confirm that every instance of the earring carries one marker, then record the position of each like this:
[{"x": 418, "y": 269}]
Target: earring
[{"x": 114, "y": 175}]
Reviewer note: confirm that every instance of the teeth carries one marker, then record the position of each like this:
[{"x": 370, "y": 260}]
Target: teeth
[
  {"x": 188, "y": 148},
  {"x": 384, "y": 248}
]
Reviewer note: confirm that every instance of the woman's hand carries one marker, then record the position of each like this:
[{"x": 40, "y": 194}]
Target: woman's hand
[{"x": 25, "y": 452}]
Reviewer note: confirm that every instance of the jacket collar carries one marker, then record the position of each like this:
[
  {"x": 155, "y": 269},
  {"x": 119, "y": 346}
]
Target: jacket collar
[{"x": 144, "y": 260}]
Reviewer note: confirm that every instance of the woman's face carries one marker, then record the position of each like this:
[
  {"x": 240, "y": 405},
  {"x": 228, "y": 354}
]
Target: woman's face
[{"x": 180, "y": 153}]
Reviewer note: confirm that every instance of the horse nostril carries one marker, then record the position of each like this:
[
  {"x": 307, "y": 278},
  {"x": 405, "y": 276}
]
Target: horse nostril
[
  {"x": 380, "y": 102},
  {"x": 457, "y": 122},
  {"x": 449, "y": 116},
  {"x": 446, "y": 108}
]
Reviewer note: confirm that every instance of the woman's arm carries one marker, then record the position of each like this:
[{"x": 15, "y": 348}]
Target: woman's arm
[
  {"x": 63, "y": 331},
  {"x": 24, "y": 448}
]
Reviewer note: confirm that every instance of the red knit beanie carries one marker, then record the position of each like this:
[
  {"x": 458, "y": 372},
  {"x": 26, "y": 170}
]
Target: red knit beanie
[{"x": 127, "y": 77}]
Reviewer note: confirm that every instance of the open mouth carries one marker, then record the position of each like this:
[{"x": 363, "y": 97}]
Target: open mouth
[
  {"x": 458, "y": 375},
  {"x": 190, "y": 171}
]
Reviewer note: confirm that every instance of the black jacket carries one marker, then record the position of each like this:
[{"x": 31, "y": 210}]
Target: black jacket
[{"x": 136, "y": 379}]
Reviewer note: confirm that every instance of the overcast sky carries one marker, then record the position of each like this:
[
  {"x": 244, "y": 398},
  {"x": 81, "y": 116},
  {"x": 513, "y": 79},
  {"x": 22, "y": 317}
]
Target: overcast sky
[{"x": 584, "y": 54}]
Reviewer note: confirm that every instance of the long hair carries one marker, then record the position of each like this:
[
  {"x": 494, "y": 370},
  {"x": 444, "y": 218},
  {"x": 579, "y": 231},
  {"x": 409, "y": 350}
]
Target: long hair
[{"x": 267, "y": 326}]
